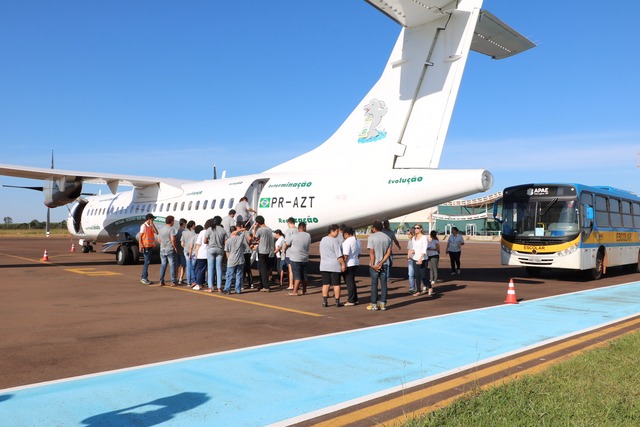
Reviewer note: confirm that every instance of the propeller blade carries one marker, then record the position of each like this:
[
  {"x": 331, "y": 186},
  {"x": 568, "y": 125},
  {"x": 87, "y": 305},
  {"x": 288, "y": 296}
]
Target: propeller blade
[
  {"x": 26, "y": 188},
  {"x": 48, "y": 228}
]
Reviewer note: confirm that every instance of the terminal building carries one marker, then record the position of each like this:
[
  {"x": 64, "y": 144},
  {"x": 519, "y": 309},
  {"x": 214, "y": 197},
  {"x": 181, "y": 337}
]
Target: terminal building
[{"x": 473, "y": 217}]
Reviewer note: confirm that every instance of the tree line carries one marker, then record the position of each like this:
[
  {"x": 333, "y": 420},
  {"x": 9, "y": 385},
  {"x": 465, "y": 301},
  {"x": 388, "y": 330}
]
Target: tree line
[{"x": 34, "y": 224}]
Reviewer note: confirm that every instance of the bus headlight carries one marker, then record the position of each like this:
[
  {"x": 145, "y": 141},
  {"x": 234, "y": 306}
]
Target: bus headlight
[
  {"x": 568, "y": 251},
  {"x": 506, "y": 250}
]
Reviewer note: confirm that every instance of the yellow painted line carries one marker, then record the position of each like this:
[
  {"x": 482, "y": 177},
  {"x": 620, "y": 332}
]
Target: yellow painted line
[
  {"x": 370, "y": 412},
  {"x": 242, "y": 301},
  {"x": 26, "y": 259},
  {"x": 92, "y": 272}
]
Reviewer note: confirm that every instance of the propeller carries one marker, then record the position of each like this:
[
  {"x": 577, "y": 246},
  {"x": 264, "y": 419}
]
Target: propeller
[{"x": 48, "y": 226}]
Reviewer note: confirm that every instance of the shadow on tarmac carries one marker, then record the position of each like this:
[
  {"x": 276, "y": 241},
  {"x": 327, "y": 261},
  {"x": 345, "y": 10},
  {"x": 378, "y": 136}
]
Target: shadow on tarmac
[{"x": 149, "y": 413}]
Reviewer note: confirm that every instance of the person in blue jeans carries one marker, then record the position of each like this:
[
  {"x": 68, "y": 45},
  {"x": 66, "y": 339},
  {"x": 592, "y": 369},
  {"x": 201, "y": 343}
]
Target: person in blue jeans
[
  {"x": 379, "y": 245},
  {"x": 167, "y": 239},
  {"x": 148, "y": 233},
  {"x": 234, "y": 248},
  {"x": 215, "y": 237}
]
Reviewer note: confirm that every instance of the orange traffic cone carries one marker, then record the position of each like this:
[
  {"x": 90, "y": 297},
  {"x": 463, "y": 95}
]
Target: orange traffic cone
[
  {"x": 511, "y": 294},
  {"x": 73, "y": 248},
  {"x": 45, "y": 257}
]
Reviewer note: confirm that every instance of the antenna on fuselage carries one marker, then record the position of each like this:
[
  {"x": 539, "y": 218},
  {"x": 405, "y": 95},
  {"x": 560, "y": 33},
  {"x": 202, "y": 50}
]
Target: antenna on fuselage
[{"x": 215, "y": 175}]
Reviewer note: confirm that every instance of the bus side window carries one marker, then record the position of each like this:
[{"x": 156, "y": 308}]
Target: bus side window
[
  {"x": 636, "y": 215},
  {"x": 602, "y": 214},
  {"x": 627, "y": 220},
  {"x": 614, "y": 211}
]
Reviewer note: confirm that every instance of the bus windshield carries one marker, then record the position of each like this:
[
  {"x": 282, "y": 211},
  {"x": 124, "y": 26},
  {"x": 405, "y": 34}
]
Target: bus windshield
[{"x": 549, "y": 217}]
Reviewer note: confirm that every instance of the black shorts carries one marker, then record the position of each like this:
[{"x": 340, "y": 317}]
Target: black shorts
[
  {"x": 330, "y": 278},
  {"x": 299, "y": 270}
]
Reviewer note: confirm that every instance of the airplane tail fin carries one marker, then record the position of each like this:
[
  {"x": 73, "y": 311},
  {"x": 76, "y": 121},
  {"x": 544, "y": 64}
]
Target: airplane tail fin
[{"x": 403, "y": 121}]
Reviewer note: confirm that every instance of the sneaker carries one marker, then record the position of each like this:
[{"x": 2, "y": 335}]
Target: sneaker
[
  {"x": 265, "y": 290},
  {"x": 324, "y": 304},
  {"x": 226, "y": 293},
  {"x": 430, "y": 293},
  {"x": 180, "y": 282},
  {"x": 453, "y": 273},
  {"x": 349, "y": 304},
  {"x": 411, "y": 291},
  {"x": 197, "y": 287},
  {"x": 459, "y": 271},
  {"x": 383, "y": 306},
  {"x": 372, "y": 307},
  {"x": 433, "y": 282},
  {"x": 339, "y": 304},
  {"x": 161, "y": 284},
  {"x": 145, "y": 282}
]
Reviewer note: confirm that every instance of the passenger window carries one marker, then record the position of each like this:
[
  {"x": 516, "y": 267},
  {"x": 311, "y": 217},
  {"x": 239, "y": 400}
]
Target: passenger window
[
  {"x": 175, "y": 206},
  {"x": 231, "y": 203},
  {"x": 221, "y": 203},
  {"x": 190, "y": 205},
  {"x": 197, "y": 204},
  {"x": 161, "y": 207},
  {"x": 204, "y": 205},
  {"x": 182, "y": 206},
  {"x": 213, "y": 204}
]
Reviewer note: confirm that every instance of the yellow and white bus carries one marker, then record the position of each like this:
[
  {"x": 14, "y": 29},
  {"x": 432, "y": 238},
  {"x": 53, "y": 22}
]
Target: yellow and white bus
[{"x": 569, "y": 226}]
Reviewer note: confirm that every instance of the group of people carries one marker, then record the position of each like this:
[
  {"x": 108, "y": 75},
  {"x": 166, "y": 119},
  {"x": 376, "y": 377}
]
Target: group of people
[{"x": 195, "y": 256}]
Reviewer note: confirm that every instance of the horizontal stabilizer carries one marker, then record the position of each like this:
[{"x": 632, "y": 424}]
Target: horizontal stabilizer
[{"x": 496, "y": 39}]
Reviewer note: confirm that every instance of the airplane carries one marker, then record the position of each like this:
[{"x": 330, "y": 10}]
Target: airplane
[{"x": 382, "y": 162}]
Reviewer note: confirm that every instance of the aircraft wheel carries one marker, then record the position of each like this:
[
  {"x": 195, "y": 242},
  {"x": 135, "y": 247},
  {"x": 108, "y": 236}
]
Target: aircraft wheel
[
  {"x": 85, "y": 249},
  {"x": 123, "y": 255},
  {"x": 135, "y": 254}
]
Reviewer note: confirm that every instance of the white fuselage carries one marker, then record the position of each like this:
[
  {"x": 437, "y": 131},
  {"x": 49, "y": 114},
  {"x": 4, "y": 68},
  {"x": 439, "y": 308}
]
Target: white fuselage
[{"x": 319, "y": 199}]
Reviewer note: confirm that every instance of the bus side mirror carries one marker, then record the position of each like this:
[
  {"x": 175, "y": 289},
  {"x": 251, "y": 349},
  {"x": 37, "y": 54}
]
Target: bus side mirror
[{"x": 497, "y": 211}]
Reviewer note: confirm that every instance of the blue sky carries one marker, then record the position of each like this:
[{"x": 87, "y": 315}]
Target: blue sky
[{"x": 165, "y": 88}]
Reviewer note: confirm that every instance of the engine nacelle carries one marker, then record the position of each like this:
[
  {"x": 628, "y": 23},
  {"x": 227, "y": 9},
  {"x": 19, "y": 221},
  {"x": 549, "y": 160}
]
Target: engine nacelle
[{"x": 61, "y": 191}]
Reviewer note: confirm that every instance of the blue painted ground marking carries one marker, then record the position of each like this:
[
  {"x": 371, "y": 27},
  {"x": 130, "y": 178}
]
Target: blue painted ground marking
[{"x": 295, "y": 380}]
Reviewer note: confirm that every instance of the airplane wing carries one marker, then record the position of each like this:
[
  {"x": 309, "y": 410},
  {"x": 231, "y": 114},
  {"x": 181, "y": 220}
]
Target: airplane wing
[{"x": 111, "y": 180}]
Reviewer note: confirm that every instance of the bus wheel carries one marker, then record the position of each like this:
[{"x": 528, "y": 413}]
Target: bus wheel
[
  {"x": 123, "y": 255},
  {"x": 533, "y": 271},
  {"x": 632, "y": 268},
  {"x": 596, "y": 272}
]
